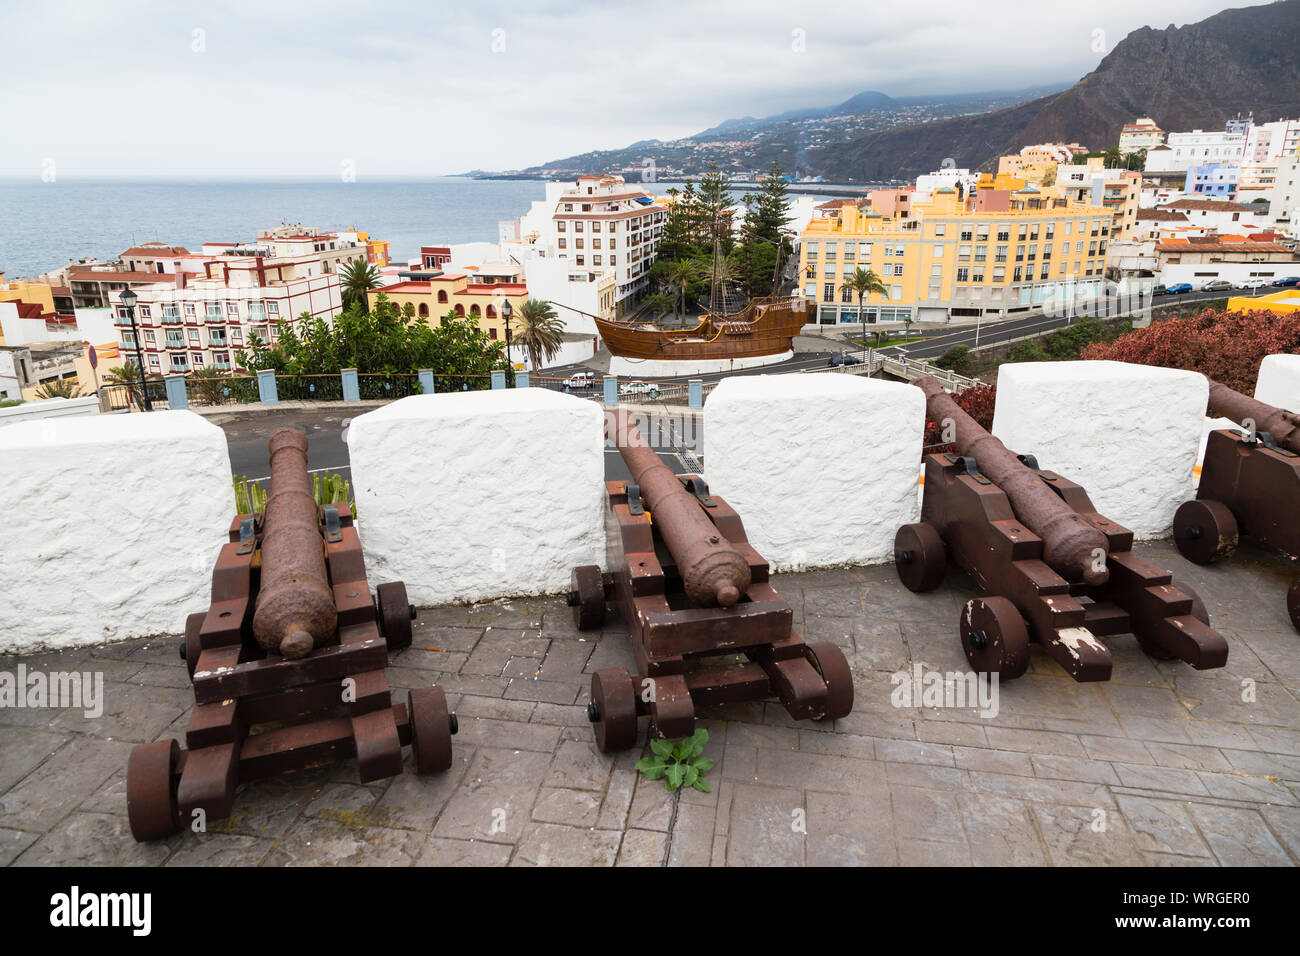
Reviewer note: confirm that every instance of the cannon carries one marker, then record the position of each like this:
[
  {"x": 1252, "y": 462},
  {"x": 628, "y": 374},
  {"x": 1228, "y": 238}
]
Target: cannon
[
  {"x": 705, "y": 623},
  {"x": 287, "y": 664},
  {"x": 1063, "y": 592},
  {"x": 1250, "y": 485}
]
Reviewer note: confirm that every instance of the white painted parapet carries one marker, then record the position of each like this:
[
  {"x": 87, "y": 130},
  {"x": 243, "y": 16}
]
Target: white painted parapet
[
  {"x": 1128, "y": 434},
  {"x": 468, "y": 496},
  {"x": 49, "y": 408},
  {"x": 1279, "y": 382},
  {"x": 821, "y": 468},
  {"x": 112, "y": 526}
]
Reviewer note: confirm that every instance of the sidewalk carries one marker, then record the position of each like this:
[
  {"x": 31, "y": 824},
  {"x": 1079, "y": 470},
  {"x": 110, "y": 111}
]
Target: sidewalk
[{"x": 1162, "y": 765}]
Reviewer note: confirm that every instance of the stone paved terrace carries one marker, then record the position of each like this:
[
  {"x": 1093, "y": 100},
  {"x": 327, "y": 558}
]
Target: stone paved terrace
[{"x": 1184, "y": 771}]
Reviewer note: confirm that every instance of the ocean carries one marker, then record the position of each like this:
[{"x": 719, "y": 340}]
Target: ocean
[{"x": 43, "y": 225}]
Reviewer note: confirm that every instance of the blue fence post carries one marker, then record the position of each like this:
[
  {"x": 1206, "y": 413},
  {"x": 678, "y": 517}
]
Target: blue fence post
[
  {"x": 521, "y": 379},
  {"x": 695, "y": 393},
  {"x": 499, "y": 379},
  {"x": 426, "y": 381},
  {"x": 611, "y": 390},
  {"x": 351, "y": 387},
  {"x": 266, "y": 387},
  {"x": 176, "y": 397}
]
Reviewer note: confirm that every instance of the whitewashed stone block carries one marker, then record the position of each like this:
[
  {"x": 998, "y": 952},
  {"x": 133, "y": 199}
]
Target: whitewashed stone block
[
  {"x": 468, "y": 496},
  {"x": 113, "y": 525},
  {"x": 821, "y": 468},
  {"x": 1129, "y": 434},
  {"x": 1279, "y": 381}
]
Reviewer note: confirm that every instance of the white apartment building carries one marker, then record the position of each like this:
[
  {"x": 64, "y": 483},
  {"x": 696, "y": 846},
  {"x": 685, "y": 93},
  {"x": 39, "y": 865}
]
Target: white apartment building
[
  {"x": 927, "y": 184},
  {"x": 1271, "y": 141},
  {"x": 599, "y": 224},
  {"x": 1184, "y": 150},
  {"x": 188, "y": 324},
  {"x": 1142, "y": 133}
]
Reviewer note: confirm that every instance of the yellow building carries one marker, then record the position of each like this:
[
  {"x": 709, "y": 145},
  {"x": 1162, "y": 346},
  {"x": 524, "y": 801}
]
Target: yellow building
[
  {"x": 996, "y": 252},
  {"x": 1286, "y": 301},
  {"x": 436, "y": 297}
]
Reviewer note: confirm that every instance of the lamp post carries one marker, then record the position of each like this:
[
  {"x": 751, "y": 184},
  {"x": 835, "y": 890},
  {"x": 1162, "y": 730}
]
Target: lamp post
[
  {"x": 507, "y": 310},
  {"x": 127, "y": 298}
]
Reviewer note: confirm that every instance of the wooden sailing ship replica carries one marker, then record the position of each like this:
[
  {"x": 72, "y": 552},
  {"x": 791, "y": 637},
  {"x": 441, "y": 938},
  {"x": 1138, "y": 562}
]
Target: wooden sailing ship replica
[{"x": 764, "y": 326}]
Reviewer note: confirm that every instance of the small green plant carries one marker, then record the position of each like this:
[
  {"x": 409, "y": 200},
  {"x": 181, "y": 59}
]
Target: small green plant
[
  {"x": 326, "y": 487},
  {"x": 678, "y": 765}
]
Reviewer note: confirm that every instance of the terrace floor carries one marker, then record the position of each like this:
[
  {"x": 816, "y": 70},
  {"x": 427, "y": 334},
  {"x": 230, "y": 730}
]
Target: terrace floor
[{"x": 1162, "y": 765}]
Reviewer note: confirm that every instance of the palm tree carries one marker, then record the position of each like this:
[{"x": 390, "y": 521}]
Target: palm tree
[
  {"x": 1112, "y": 157},
  {"x": 681, "y": 273},
  {"x": 127, "y": 374},
  {"x": 358, "y": 279},
  {"x": 661, "y": 302},
  {"x": 540, "y": 332},
  {"x": 60, "y": 388},
  {"x": 863, "y": 283}
]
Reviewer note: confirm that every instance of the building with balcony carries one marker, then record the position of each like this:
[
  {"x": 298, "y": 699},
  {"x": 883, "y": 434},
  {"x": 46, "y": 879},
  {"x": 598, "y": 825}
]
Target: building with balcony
[
  {"x": 1142, "y": 133},
  {"x": 998, "y": 252},
  {"x": 1212, "y": 180},
  {"x": 599, "y": 224}
]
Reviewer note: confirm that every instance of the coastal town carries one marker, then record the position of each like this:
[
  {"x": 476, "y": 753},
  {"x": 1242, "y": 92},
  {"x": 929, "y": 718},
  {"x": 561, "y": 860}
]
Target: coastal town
[
  {"x": 909, "y": 481},
  {"x": 1053, "y": 225}
]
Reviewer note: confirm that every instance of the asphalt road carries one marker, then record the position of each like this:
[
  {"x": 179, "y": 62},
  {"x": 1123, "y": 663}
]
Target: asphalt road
[{"x": 677, "y": 439}]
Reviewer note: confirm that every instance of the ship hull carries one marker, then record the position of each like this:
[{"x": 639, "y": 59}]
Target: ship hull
[{"x": 765, "y": 327}]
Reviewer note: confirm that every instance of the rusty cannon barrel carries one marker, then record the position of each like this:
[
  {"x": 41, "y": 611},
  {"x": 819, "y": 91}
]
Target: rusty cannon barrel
[
  {"x": 295, "y": 607},
  {"x": 1070, "y": 542},
  {"x": 713, "y": 572},
  {"x": 1282, "y": 426}
]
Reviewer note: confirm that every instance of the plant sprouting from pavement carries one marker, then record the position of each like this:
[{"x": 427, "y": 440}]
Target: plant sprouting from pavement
[{"x": 678, "y": 765}]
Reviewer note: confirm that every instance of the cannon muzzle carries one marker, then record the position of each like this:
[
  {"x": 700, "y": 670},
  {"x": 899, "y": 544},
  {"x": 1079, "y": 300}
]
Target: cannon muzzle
[
  {"x": 713, "y": 572},
  {"x": 1281, "y": 425},
  {"x": 295, "y": 609},
  {"x": 1072, "y": 546}
]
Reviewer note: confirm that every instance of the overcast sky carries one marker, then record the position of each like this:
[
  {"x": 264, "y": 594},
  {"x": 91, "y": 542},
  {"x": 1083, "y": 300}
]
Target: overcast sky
[{"x": 280, "y": 88}]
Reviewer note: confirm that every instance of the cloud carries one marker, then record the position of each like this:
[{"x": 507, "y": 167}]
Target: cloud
[{"x": 406, "y": 88}]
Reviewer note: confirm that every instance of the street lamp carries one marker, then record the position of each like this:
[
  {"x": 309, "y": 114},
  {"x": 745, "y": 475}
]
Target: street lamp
[
  {"x": 127, "y": 298},
  {"x": 507, "y": 310}
]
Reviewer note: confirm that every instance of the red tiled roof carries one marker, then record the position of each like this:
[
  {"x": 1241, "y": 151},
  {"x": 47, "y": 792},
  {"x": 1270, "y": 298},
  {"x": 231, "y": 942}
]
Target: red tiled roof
[
  {"x": 1216, "y": 205},
  {"x": 1207, "y": 244},
  {"x": 155, "y": 249},
  {"x": 1158, "y": 214},
  {"x": 411, "y": 286}
]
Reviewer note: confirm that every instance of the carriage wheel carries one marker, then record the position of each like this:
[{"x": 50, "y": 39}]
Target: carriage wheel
[
  {"x": 587, "y": 597},
  {"x": 612, "y": 710},
  {"x": 830, "y": 663},
  {"x": 994, "y": 637},
  {"x": 151, "y": 782},
  {"x": 920, "y": 557},
  {"x": 431, "y": 729},
  {"x": 395, "y": 614},
  {"x": 1293, "y": 604},
  {"x": 190, "y": 646},
  {"x": 1205, "y": 531}
]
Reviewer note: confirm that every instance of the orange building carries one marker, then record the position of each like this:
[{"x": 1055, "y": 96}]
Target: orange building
[{"x": 436, "y": 297}]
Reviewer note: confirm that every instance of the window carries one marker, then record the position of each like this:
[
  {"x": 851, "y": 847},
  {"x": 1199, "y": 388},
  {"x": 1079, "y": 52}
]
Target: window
[
  {"x": 864, "y": 250},
  {"x": 180, "y": 363},
  {"x": 846, "y": 294},
  {"x": 1019, "y": 275},
  {"x": 999, "y": 273},
  {"x": 273, "y": 308},
  {"x": 189, "y": 310},
  {"x": 938, "y": 250},
  {"x": 559, "y": 226},
  {"x": 216, "y": 337},
  {"x": 194, "y": 336},
  {"x": 611, "y": 261},
  {"x": 898, "y": 268},
  {"x": 963, "y": 274},
  {"x": 977, "y": 274},
  {"x": 561, "y": 242},
  {"x": 966, "y": 235},
  {"x": 577, "y": 244},
  {"x": 612, "y": 242},
  {"x": 832, "y": 250},
  {"x": 896, "y": 292},
  {"x": 170, "y": 313},
  {"x": 595, "y": 243},
  {"x": 812, "y": 249},
  {"x": 1004, "y": 234},
  {"x": 153, "y": 361},
  {"x": 1000, "y": 254},
  {"x": 145, "y": 312},
  {"x": 232, "y": 309},
  {"x": 828, "y": 292},
  {"x": 981, "y": 253},
  {"x": 595, "y": 260},
  {"x": 1024, "y": 230},
  {"x": 221, "y": 359},
  {"x": 148, "y": 337},
  {"x": 939, "y": 229},
  {"x": 175, "y": 340},
  {"x": 214, "y": 311},
  {"x": 256, "y": 312},
  {"x": 580, "y": 260},
  {"x": 577, "y": 227},
  {"x": 197, "y": 358},
  {"x": 424, "y": 310}
]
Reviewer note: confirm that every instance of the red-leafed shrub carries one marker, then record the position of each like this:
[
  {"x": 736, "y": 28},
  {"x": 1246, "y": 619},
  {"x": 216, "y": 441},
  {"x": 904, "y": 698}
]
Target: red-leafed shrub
[
  {"x": 1226, "y": 346},
  {"x": 977, "y": 402}
]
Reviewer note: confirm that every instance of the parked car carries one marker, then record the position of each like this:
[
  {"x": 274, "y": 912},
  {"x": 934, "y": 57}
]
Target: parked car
[
  {"x": 1287, "y": 281},
  {"x": 1178, "y": 288},
  {"x": 579, "y": 381},
  {"x": 846, "y": 359},
  {"x": 1159, "y": 290},
  {"x": 1255, "y": 283},
  {"x": 1217, "y": 285},
  {"x": 646, "y": 389}
]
